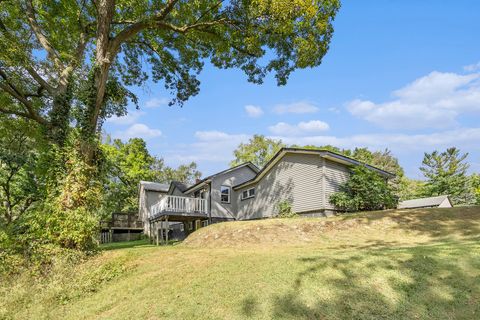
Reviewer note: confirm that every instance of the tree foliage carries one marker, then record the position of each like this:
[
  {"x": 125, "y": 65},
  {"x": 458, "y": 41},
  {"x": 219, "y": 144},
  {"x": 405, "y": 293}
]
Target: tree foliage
[
  {"x": 20, "y": 182},
  {"x": 258, "y": 150},
  {"x": 128, "y": 163},
  {"x": 446, "y": 173},
  {"x": 365, "y": 190},
  {"x": 83, "y": 68},
  {"x": 475, "y": 188}
]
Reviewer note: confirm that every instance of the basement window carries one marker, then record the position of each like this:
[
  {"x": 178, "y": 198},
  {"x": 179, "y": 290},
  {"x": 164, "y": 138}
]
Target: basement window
[
  {"x": 249, "y": 193},
  {"x": 225, "y": 194}
]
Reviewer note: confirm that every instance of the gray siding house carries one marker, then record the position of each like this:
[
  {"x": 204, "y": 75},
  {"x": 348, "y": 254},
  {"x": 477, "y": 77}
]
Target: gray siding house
[{"x": 306, "y": 178}]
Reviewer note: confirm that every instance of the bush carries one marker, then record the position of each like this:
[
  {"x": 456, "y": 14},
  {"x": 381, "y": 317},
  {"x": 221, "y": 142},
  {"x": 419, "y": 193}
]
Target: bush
[
  {"x": 285, "y": 209},
  {"x": 364, "y": 191}
]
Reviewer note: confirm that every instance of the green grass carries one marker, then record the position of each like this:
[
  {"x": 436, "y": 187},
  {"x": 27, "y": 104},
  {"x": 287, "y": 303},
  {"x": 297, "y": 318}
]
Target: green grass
[
  {"x": 422, "y": 264},
  {"x": 125, "y": 245}
]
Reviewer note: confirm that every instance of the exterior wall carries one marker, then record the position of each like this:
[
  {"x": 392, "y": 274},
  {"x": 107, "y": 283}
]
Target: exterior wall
[
  {"x": 306, "y": 180},
  {"x": 146, "y": 200},
  {"x": 232, "y": 178},
  {"x": 335, "y": 175},
  {"x": 296, "y": 178}
]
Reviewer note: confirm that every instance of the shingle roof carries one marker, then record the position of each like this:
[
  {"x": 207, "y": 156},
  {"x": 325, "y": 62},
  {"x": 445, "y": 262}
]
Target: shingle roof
[
  {"x": 422, "y": 202},
  {"x": 180, "y": 185},
  {"x": 248, "y": 164},
  {"x": 155, "y": 186}
]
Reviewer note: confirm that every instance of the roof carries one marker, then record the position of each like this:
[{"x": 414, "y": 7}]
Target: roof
[
  {"x": 423, "y": 202},
  {"x": 321, "y": 152},
  {"x": 154, "y": 186},
  {"x": 245, "y": 164},
  {"x": 179, "y": 185}
]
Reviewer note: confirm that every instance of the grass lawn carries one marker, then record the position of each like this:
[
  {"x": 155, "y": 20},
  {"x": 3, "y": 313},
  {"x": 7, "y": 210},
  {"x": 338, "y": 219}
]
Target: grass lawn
[{"x": 384, "y": 265}]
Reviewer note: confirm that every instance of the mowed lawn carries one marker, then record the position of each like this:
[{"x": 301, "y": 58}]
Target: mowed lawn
[{"x": 420, "y": 264}]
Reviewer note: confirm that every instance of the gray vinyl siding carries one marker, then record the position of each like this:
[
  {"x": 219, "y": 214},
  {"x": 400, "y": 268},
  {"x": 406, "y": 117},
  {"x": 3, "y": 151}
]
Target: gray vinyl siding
[
  {"x": 296, "y": 178},
  {"x": 147, "y": 199},
  {"x": 335, "y": 175},
  {"x": 232, "y": 178}
]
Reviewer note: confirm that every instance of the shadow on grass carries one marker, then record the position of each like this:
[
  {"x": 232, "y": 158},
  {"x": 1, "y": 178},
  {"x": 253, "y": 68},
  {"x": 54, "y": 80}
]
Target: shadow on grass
[
  {"x": 125, "y": 245},
  {"x": 424, "y": 282},
  {"x": 435, "y": 222}
]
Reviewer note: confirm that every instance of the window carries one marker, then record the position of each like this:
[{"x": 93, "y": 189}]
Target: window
[
  {"x": 249, "y": 193},
  {"x": 204, "y": 223},
  {"x": 225, "y": 194}
]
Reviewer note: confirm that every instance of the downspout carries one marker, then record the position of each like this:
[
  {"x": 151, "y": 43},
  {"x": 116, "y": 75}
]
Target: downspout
[{"x": 210, "y": 202}]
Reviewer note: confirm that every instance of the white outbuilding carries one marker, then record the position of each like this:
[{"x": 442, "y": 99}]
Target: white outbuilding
[{"x": 431, "y": 202}]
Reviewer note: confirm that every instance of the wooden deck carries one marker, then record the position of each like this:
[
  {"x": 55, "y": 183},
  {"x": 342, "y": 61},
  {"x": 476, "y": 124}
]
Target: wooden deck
[
  {"x": 174, "y": 209},
  {"x": 179, "y": 209}
]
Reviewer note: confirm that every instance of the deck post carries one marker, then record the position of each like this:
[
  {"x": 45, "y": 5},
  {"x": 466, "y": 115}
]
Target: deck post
[
  {"x": 167, "y": 228},
  {"x": 161, "y": 231}
]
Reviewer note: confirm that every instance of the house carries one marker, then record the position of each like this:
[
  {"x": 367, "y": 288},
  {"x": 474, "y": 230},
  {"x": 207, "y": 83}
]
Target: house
[
  {"x": 306, "y": 178},
  {"x": 431, "y": 202}
]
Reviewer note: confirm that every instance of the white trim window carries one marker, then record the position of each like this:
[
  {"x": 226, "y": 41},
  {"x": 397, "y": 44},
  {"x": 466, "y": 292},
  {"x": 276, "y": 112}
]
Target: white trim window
[
  {"x": 225, "y": 192},
  {"x": 249, "y": 193}
]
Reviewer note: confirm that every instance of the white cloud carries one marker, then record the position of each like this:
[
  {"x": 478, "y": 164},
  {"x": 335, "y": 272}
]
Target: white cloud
[
  {"x": 156, "y": 102},
  {"x": 212, "y": 136},
  {"x": 130, "y": 118},
  {"x": 138, "y": 130},
  {"x": 472, "y": 67},
  {"x": 253, "y": 111},
  {"x": 295, "y": 107},
  {"x": 301, "y": 128},
  {"x": 466, "y": 138},
  {"x": 433, "y": 101},
  {"x": 210, "y": 146}
]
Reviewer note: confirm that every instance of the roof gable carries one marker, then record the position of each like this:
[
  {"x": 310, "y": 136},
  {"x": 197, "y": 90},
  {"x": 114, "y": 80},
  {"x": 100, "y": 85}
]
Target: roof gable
[
  {"x": 323, "y": 153},
  {"x": 250, "y": 165}
]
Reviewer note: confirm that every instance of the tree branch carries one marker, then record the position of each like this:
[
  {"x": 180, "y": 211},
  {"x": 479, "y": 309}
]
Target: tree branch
[
  {"x": 41, "y": 37},
  {"x": 44, "y": 84},
  {"x": 17, "y": 94},
  {"x": 138, "y": 26}
]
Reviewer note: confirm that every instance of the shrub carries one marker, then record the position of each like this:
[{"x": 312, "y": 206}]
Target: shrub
[
  {"x": 365, "y": 190},
  {"x": 285, "y": 209}
]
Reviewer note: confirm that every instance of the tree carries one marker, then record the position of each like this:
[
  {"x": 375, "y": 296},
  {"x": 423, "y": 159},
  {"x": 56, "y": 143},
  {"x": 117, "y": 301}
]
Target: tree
[
  {"x": 20, "y": 184},
  {"x": 88, "y": 62},
  {"x": 411, "y": 189},
  {"x": 365, "y": 190},
  {"x": 127, "y": 163},
  {"x": 446, "y": 174},
  {"x": 258, "y": 150},
  {"x": 475, "y": 188},
  {"x": 69, "y": 78}
]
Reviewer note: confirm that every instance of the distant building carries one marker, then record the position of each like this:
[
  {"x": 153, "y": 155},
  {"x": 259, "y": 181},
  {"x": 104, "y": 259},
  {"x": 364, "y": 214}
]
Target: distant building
[{"x": 431, "y": 202}]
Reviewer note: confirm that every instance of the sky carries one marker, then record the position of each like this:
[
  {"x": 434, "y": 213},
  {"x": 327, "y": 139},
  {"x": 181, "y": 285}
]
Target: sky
[{"x": 402, "y": 75}]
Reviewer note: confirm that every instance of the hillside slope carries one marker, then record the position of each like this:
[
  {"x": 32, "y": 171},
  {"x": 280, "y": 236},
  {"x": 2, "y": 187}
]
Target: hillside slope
[
  {"x": 419, "y": 264},
  {"x": 403, "y": 226}
]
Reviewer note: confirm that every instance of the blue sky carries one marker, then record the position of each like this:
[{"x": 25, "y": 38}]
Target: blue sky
[{"x": 403, "y": 75}]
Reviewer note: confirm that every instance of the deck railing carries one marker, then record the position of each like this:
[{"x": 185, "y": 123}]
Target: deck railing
[{"x": 179, "y": 204}]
